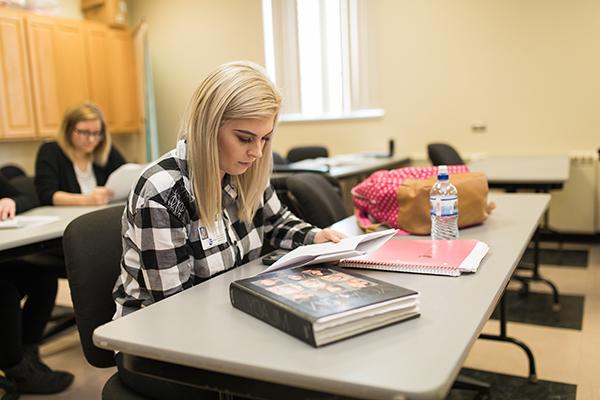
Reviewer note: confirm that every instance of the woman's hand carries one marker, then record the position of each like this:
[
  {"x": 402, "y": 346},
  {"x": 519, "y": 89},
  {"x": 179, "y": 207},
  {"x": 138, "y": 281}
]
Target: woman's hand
[
  {"x": 100, "y": 196},
  {"x": 8, "y": 208},
  {"x": 328, "y": 235}
]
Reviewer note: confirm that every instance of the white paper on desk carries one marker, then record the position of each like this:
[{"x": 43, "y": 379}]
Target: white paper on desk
[
  {"x": 329, "y": 251},
  {"x": 473, "y": 260},
  {"x": 123, "y": 178},
  {"x": 27, "y": 221}
]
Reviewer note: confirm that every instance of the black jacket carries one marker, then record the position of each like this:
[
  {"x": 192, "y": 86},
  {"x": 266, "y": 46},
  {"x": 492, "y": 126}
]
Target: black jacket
[
  {"x": 24, "y": 201},
  {"x": 54, "y": 171}
]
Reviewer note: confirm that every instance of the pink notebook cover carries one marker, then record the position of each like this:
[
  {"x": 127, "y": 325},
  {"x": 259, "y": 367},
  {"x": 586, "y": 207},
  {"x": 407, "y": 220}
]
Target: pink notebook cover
[{"x": 438, "y": 257}]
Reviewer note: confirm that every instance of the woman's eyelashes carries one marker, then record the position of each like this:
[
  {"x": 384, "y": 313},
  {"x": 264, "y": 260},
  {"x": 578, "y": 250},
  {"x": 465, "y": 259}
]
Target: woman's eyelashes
[{"x": 252, "y": 139}]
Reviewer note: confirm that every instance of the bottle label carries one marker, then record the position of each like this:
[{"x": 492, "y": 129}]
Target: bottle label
[{"x": 444, "y": 206}]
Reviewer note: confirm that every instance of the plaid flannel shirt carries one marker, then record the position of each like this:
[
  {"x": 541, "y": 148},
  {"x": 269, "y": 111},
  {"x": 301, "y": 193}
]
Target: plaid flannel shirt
[{"x": 163, "y": 253}]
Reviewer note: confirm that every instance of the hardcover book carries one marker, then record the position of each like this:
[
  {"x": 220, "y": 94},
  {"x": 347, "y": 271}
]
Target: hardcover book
[
  {"x": 322, "y": 304},
  {"x": 438, "y": 257}
]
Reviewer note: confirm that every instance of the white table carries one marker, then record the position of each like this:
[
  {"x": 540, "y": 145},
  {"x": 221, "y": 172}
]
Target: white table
[
  {"x": 538, "y": 173},
  {"x": 524, "y": 172},
  {"x": 345, "y": 165},
  {"x": 27, "y": 240},
  {"x": 197, "y": 335}
]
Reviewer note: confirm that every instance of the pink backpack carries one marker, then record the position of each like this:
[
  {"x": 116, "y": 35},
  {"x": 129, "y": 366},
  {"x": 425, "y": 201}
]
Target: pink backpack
[{"x": 375, "y": 198}]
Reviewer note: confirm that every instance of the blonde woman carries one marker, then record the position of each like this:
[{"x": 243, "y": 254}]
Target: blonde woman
[
  {"x": 207, "y": 206},
  {"x": 73, "y": 169}
]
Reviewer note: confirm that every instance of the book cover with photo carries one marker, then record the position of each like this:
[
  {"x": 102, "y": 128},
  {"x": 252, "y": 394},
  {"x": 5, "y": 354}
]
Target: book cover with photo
[{"x": 322, "y": 304}]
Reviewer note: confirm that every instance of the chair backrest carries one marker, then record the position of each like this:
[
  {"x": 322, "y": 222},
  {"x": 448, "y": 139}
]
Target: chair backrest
[
  {"x": 92, "y": 248},
  {"x": 443, "y": 154},
  {"x": 11, "y": 171},
  {"x": 304, "y": 152},
  {"x": 26, "y": 184},
  {"x": 278, "y": 159},
  {"x": 314, "y": 199}
]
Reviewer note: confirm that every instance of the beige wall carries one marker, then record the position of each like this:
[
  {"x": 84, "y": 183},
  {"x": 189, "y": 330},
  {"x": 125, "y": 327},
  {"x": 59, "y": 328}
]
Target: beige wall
[
  {"x": 187, "y": 40},
  {"x": 528, "y": 70}
]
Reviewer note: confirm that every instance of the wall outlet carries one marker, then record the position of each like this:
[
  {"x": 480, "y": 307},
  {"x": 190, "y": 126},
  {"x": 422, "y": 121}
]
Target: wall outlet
[{"x": 478, "y": 127}]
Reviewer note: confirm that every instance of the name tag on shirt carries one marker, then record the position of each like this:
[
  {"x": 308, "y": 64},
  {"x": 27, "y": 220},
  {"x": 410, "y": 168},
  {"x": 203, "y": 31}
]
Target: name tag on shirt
[{"x": 212, "y": 237}]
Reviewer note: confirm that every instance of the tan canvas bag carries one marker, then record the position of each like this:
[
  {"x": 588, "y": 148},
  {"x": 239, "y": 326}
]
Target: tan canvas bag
[{"x": 414, "y": 208}]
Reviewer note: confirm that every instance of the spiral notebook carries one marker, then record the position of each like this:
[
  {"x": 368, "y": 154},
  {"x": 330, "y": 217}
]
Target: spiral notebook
[{"x": 436, "y": 257}]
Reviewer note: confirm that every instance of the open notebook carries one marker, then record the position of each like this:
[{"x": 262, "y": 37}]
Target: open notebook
[{"x": 437, "y": 257}]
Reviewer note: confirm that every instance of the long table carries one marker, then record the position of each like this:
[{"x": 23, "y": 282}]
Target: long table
[
  {"x": 197, "y": 337},
  {"x": 344, "y": 166},
  {"x": 24, "y": 241},
  {"x": 541, "y": 174}
]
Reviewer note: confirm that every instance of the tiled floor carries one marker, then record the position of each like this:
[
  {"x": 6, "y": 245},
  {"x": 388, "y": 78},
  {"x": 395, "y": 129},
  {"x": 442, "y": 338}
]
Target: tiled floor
[{"x": 562, "y": 355}]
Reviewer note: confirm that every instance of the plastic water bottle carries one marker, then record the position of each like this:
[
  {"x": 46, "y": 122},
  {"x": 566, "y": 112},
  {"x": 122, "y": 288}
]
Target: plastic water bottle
[{"x": 444, "y": 207}]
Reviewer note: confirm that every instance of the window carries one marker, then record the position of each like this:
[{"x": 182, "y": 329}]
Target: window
[{"x": 321, "y": 54}]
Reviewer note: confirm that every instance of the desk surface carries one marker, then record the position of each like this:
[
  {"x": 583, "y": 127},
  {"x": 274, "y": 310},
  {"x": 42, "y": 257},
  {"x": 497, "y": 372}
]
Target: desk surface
[
  {"x": 551, "y": 169},
  {"x": 345, "y": 165},
  {"x": 418, "y": 358},
  {"x": 12, "y": 238}
]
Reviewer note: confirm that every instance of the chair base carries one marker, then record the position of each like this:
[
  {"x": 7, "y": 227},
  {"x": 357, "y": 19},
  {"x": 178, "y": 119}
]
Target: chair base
[{"x": 114, "y": 389}]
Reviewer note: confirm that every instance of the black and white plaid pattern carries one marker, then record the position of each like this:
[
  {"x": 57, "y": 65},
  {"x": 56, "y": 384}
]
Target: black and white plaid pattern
[{"x": 162, "y": 250}]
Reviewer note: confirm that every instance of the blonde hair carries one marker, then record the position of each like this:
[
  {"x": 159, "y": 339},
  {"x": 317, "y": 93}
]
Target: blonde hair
[
  {"x": 236, "y": 90},
  {"x": 74, "y": 115}
]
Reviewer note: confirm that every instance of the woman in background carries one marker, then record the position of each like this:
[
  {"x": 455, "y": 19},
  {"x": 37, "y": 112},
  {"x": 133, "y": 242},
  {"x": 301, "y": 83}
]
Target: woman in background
[
  {"x": 73, "y": 170},
  {"x": 22, "y": 328}
]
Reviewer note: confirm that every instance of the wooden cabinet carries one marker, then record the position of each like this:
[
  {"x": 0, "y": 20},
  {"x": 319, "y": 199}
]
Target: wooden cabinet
[
  {"x": 49, "y": 64},
  {"x": 98, "y": 60},
  {"x": 58, "y": 62},
  {"x": 124, "y": 107},
  {"x": 111, "y": 72},
  {"x": 17, "y": 118}
]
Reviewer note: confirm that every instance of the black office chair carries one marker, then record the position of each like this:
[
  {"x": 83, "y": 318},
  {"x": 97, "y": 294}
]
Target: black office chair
[
  {"x": 314, "y": 199},
  {"x": 26, "y": 184},
  {"x": 92, "y": 247},
  {"x": 443, "y": 154},
  {"x": 278, "y": 159},
  {"x": 304, "y": 152},
  {"x": 11, "y": 171}
]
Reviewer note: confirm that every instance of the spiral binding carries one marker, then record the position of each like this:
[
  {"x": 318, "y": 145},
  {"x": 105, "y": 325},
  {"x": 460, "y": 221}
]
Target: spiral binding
[{"x": 412, "y": 268}]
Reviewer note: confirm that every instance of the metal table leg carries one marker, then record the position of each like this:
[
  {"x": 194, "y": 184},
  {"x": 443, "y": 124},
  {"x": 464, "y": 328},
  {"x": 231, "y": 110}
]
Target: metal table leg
[
  {"x": 536, "y": 277},
  {"x": 503, "y": 337}
]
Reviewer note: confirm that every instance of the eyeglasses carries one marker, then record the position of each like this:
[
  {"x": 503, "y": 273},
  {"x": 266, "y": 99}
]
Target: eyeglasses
[{"x": 89, "y": 134}]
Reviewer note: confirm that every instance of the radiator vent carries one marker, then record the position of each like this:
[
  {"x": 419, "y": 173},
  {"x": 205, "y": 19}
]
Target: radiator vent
[{"x": 576, "y": 208}]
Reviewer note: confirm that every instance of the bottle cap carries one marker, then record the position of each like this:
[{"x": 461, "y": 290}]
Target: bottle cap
[{"x": 443, "y": 172}]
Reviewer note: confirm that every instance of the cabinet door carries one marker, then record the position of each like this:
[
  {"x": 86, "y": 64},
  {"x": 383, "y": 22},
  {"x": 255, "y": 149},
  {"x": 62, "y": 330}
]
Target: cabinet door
[
  {"x": 58, "y": 62},
  {"x": 43, "y": 70},
  {"x": 97, "y": 55},
  {"x": 123, "y": 82},
  {"x": 71, "y": 64},
  {"x": 16, "y": 105}
]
